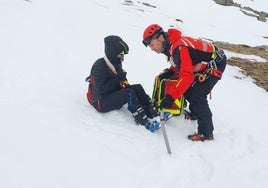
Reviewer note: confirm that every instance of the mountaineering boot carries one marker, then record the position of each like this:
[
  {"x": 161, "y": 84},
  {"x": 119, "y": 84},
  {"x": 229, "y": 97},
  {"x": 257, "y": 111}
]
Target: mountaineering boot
[
  {"x": 150, "y": 111},
  {"x": 200, "y": 137},
  {"x": 140, "y": 116},
  {"x": 189, "y": 115},
  {"x": 153, "y": 124},
  {"x": 153, "y": 118}
]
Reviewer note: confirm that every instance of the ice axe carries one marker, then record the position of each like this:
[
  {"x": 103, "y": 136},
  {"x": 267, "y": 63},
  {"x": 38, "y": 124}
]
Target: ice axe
[{"x": 164, "y": 132}]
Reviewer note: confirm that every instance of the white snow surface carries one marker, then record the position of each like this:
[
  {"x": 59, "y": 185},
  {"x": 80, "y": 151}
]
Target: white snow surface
[{"x": 51, "y": 137}]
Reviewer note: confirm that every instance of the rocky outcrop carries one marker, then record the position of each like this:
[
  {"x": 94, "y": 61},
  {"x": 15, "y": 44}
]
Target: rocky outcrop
[
  {"x": 225, "y": 2},
  {"x": 256, "y": 70},
  {"x": 260, "y": 15}
]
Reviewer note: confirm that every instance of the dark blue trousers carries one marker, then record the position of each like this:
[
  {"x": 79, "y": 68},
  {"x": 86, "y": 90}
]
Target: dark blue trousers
[{"x": 134, "y": 96}]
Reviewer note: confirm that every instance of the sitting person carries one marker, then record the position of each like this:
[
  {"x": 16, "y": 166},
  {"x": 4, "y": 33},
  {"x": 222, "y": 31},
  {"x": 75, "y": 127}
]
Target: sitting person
[{"x": 109, "y": 88}]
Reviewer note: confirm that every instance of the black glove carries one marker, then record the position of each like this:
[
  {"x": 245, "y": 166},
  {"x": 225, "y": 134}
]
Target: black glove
[
  {"x": 167, "y": 102},
  {"x": 166, "y": 73}
]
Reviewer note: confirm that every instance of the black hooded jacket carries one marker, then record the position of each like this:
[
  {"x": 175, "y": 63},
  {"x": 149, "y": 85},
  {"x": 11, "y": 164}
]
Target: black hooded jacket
[{"x": 105, "y": 81}]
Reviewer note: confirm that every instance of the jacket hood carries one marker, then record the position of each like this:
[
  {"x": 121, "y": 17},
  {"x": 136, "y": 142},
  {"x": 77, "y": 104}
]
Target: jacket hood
[{"x": 114, "y": 45}]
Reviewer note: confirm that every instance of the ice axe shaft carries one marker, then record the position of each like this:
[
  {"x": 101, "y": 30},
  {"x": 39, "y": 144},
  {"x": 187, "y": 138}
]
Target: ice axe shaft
[{"x": 164, "y": 132}]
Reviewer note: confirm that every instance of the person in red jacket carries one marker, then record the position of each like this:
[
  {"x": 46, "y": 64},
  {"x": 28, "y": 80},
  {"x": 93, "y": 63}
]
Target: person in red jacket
[{"x": 198, "y": 63}]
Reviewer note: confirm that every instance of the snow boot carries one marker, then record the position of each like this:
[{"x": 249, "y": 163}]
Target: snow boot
[
  {"x": 150, "y": 111},
  {"x": 153, "y": 124},
  {"x": 140, "y": 116},
  {"x": 153, "y": 118}
]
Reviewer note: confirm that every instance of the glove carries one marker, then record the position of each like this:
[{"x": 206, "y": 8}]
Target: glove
[
  {"x": 124, "y": 84},
  {"x": 166, "y": 73},
  {"x": 167, "y": 102}
]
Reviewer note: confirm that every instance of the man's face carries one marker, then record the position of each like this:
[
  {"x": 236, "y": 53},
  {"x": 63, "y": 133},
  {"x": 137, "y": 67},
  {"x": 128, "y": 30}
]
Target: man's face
[{"x": 156, "y": 44}]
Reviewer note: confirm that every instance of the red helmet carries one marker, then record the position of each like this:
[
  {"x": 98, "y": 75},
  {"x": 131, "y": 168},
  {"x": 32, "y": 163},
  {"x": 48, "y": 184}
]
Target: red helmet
[{"x": 150, "y": 32}]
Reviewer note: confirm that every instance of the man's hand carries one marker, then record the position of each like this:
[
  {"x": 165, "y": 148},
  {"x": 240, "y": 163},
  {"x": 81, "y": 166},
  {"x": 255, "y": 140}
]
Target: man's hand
[
  {"x": 167, "y": 102},
  {"x": 166, "y": 73}
]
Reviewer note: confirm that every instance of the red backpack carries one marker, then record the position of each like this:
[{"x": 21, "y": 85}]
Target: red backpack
[{"x": 89, "y": 79}]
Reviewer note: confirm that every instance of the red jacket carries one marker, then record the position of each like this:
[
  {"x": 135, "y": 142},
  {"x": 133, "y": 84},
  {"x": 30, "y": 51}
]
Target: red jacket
[{"x": 187, "y": 56}]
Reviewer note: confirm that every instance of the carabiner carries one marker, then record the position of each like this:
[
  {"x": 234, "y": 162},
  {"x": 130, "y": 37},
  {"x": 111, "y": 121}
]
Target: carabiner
[{"x": 202, "y": 77}]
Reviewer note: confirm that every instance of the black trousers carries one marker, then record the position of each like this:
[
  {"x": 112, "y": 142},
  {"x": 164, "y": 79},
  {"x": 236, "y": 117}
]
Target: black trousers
[
  {"x": 134, "y": 96},
  {"x": 196, "y": 95}
]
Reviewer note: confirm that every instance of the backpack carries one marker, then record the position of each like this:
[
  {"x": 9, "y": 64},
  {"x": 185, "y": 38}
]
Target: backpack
[
  {"x": 159, "y": 92},
  {"x": 89, "y": 79}
]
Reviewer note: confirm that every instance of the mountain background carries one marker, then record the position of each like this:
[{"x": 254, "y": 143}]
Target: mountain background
[{"x": 51, "y": 137}]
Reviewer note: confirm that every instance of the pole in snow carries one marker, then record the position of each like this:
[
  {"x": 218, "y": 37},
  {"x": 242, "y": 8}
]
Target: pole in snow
[{"x": 164, "y": 132}]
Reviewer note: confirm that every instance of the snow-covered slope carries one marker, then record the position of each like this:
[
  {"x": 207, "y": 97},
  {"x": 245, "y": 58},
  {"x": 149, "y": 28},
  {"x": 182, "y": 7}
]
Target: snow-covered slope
[{"x": 51, "y": 137}]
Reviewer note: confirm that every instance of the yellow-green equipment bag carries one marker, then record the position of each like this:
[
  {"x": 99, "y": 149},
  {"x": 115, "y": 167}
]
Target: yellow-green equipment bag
[{"x": 159, "y": 92}]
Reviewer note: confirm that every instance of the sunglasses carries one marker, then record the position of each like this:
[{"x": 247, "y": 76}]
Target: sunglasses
[
  {"x": 123, "y": 52},
  {"x": 147, "y": 40}
]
